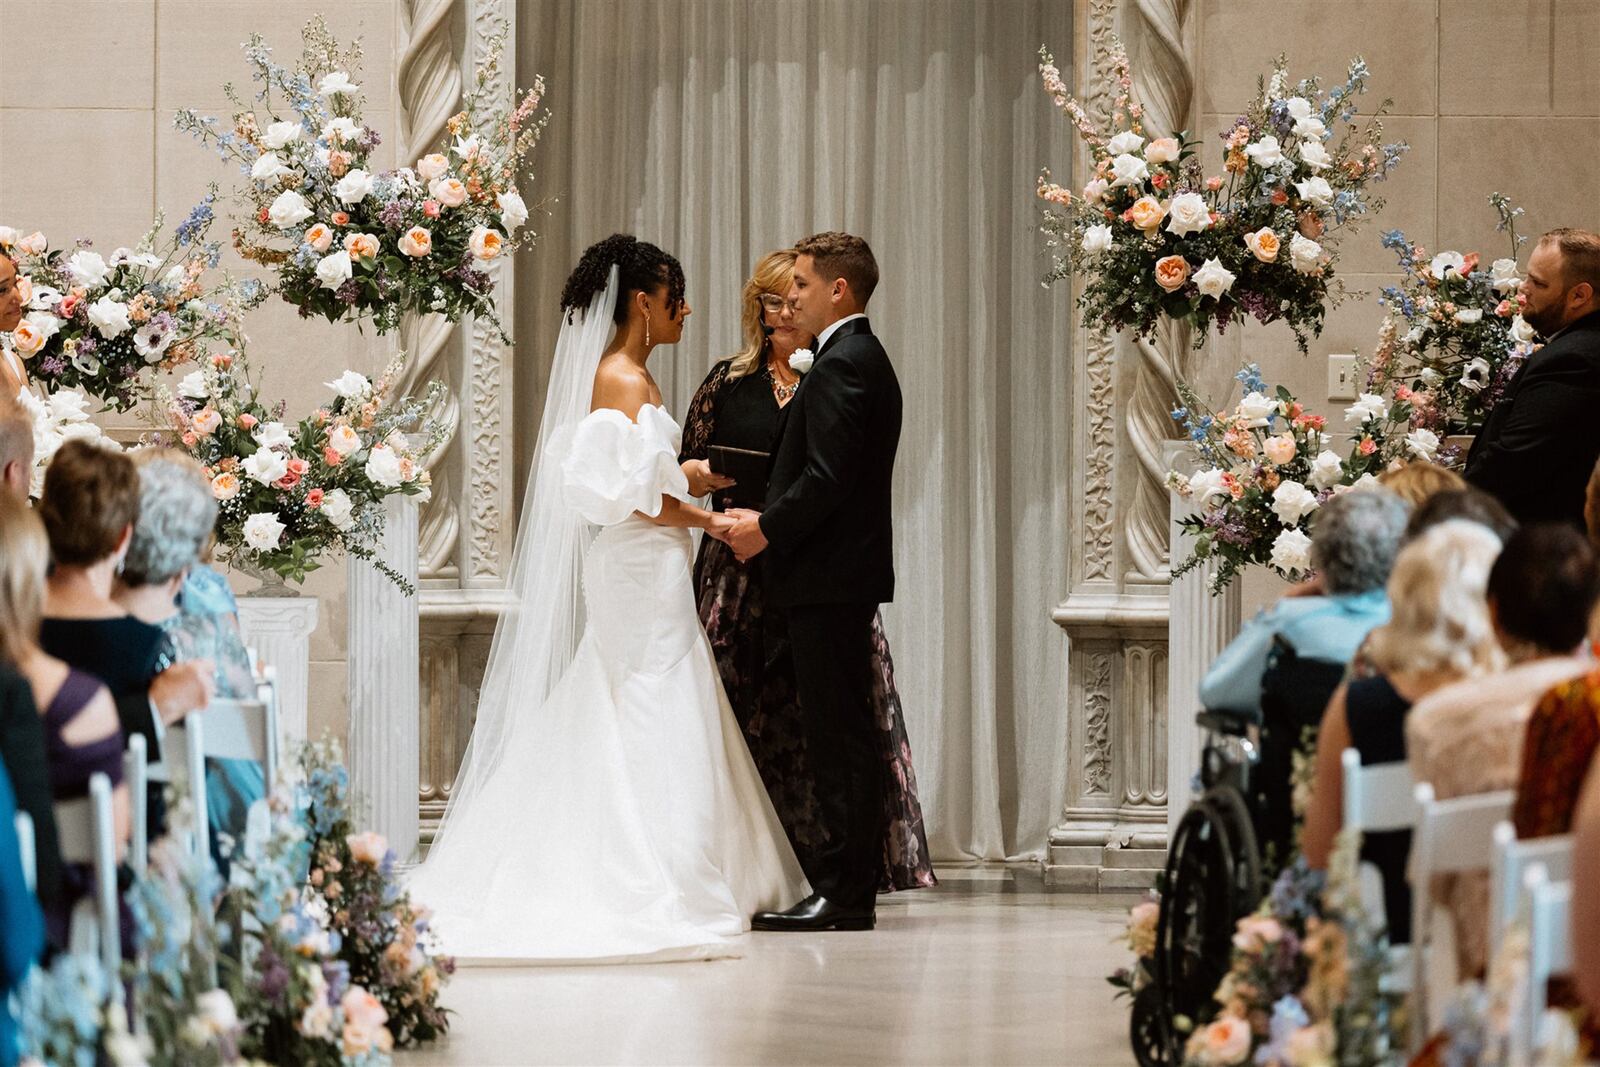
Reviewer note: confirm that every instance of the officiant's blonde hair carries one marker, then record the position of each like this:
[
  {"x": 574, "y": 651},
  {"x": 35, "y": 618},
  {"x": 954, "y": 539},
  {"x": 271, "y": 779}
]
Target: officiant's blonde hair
[{"x": 774, "y": 273}]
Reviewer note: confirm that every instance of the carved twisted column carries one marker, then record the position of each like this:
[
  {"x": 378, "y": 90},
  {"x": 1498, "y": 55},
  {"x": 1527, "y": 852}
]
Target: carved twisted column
[{"x": 430, "y": 92}]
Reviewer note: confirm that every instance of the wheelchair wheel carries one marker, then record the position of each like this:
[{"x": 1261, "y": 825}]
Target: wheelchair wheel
[
  {"x": 1234, "y": 813},
  {"x": 1148, "y": 1029},
  {"x": 1194, "y": 934}
]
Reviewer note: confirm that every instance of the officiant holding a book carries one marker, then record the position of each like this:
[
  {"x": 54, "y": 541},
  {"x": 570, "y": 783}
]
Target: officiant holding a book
[{"x": 729, "y": 433}]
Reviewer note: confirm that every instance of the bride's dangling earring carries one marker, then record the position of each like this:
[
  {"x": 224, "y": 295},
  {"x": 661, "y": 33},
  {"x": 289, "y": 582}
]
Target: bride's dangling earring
[{"x": 647, "y": 333}]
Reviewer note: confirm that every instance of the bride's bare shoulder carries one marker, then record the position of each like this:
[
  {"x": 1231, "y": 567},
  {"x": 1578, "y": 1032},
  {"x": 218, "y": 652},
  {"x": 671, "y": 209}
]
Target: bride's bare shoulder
[{"x": 622, "y": 384}]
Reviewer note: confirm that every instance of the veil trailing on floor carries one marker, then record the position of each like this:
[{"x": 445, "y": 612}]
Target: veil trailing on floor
[{"x": 537, "y": 636}]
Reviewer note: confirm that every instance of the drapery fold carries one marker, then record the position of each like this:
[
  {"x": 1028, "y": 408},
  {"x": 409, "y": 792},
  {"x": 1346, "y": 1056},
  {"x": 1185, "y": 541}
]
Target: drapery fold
[{"x": 722, "y": 129}]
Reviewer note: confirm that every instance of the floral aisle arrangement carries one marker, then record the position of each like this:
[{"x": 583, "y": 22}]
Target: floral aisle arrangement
[
  {"x": 1453, "y": 335},
  {"x": 1140, "y": 937},
  {"x": 1154, "y": 234},
  {"x": 1266, "y": 466},
  {"x": 383, "y": 936},
  {"x": 98, "y": 324},
  {"x": 348, "y": 241},
  {"x": 289, "y": 495},
  {"x": 71, "y": 1014},
  {"x": 57, "y": 418}
]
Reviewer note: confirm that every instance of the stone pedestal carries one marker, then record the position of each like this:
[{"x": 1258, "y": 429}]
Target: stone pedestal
[
  {"x": 279, "y": 629},
  {"x": 384, "y": 749}
]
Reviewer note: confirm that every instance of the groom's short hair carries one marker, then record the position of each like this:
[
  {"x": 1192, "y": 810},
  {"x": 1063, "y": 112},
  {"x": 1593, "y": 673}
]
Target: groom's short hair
[
  {"x": 1580, "y": 256},
  {"x": 842, "y": 255}
]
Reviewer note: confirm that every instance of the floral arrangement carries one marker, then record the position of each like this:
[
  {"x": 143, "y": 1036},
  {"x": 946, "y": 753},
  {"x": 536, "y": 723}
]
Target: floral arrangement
[
  {"x": 1266, "y": 466},
  {"x": 1140, "y": 937},
  {"x": 71, "y": 1015},
  {"x": 1152, "y": 234},
  {"x": 1453, "y": 335},
  {"x": 98, "y": 324},
  {"x": 59, "y": 417},
  {"x": 383, "y": 936},
  {"x": 349, "y": 242},
  {"x": 289, "y": 495},
  {"x": 1303, "y": 985}
]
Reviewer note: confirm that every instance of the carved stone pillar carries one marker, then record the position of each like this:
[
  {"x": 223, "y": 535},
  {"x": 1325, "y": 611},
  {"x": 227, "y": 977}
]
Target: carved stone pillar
[{"x": 279, "y": 629}]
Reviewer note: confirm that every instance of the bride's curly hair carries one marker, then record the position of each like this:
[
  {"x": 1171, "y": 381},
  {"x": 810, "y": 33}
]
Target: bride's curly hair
[{"x": 641, "y": 266}]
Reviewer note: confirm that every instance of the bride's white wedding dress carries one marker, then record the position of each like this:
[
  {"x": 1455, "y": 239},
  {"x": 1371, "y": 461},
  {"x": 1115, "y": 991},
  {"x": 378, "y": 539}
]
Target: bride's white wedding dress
[{"x": 623, "y": 817}]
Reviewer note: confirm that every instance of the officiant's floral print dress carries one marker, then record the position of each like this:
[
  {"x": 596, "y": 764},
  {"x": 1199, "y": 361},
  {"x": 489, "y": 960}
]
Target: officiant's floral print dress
[{"x": 753, "y": 655}]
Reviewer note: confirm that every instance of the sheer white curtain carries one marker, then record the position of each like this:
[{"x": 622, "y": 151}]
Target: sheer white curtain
[{"x": 722, "y": 129}]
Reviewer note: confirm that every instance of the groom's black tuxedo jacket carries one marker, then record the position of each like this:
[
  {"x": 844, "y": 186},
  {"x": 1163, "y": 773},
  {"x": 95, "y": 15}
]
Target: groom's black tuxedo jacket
[
  {"x": 827, "y": 515},
  {"x": 1540, "y": 442}
]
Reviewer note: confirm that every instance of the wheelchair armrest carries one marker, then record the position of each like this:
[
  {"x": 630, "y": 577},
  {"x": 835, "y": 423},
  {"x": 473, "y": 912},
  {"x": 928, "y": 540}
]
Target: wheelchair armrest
[{"x": 1231, "y": 721}]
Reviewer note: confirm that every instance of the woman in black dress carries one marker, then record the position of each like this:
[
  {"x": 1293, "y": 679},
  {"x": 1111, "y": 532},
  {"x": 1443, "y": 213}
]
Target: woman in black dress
[{"x": 738, "y": 406}]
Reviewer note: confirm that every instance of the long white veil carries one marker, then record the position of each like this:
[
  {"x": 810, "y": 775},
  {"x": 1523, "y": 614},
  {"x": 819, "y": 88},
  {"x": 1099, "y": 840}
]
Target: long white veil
[{"x": 537, "y": 638}]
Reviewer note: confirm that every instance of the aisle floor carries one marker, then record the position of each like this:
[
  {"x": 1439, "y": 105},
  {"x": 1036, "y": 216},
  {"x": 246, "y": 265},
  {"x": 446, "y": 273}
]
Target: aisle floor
[{"x": 989, "y": 968}]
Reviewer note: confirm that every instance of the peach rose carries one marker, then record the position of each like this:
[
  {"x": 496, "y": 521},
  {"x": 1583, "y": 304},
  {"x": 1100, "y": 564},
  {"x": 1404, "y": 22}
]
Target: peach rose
[
  {"x": 298, "y": 467},
  {"x": 341, "y": 218},
  {"x": 247, "y": 421},
  {"x": 225, "y": 486},
  {"x": 1311, "y": 224},
  {"x": 368, "y": 847},
  {"x": 1162, "y": 150},
  {"x": 417, "y": 242},
  {"x": 319, "y": 237},
  {"x": 432, "y": 166},
  {"x": 314, "y": 498},
  {"x": 1172, "y": 272},
  {"x": 485, "y": 243},
  {"x": 34, "y": 244},
  {"x": 1280, "y": 449},
  {"x": 190, "y": 440},
  {"x": 362, "y": 245},
  {"x": 344, "y": 440},
  {"x": 1226, "y": 1041},
  {"x": 1263, "y": 244},
  {"x": 25, "y": 289},
  {"x": 1147, "y": 213},
  {"x": 449, "y": 192},
  {"x": 27, "y": 338},
  {"x": 222, "y": 360},
  {"x": 206, "y": 422}
]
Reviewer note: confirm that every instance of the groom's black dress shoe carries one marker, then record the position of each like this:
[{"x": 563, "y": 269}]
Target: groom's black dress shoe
[{"x": 816, "y": 912}]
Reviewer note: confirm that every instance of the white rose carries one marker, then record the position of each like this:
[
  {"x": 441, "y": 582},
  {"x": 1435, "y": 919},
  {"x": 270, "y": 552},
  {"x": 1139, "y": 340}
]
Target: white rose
[
  {"x": 267, "y": 166},
  {"x": 273, "y": 435},
  {"x": 1097, "y": 239},
  {"x": 1422, "y": 443},
  {"x": 336, "y": 84},
  {"x": 1413, "y": 338},
  {"x": 1123, "y": 143},
  {"x": 1304, "y": 253},
  {"x": 383, "y": 467},
  {"x": 1292, "y": 502},
  {"x": 1521, "y": 331},
  {"x": 1364, "y": 483},
  {"x": 263, "y": 531},
  {"x": 354, "y": 187},
  {"x": 1188, "y": 214},
  {"x": 216, "y": 1008},
  {"x": 1429, "y": 377},
  {"x": 87, "y": 268},
  {"x": 69, "y": 405},
  {"x": 1475, "y": 375},
  {"x": 336, "y": 507},
  {"x": 1213, "y": 279},
  {"x": 1298, "y": 107},
  {"x": 1207, "y": 487},
  {"x": 801, "y": 359},
  {"x": 1265, "y": 153},
  {"x": 341, "y": 129},
  {"x": 513, "y": 212},
  {"x": 351, "y": 385},
  {"x": 1310, "y": 128},
  {"x": 266, "y": 465},
  {"x": 193, "y": 386},
  {"x": 109, "y": 316},
  {"x": 1327, "y": 470},
  {"x": 1256, "y": 409},
  {"x": 333, "y": 270},
  {"x": 281, "y": 135},
  {"x": 1503, "y": 276},
  {"x": 288, "y": 210},
  {"x": 1128, "y": 170},
  {"x": 1469, "y": 315},
  {"x": 1369, "y": 407},
  {"x": 1446, "y": 264},
  {"x": 1314, "y": 155},
  {"x": 1291, "y": 551},
  {"x": 1315, "y": 191},
  {"x": 1095, "y": 191}
]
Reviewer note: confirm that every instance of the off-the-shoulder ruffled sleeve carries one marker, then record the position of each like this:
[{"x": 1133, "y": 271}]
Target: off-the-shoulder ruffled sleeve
[{"x": 617, "y": 466}]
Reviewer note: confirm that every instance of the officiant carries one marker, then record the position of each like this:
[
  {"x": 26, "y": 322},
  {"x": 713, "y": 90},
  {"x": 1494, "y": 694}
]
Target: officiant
[{"x": 732, "y": 425}]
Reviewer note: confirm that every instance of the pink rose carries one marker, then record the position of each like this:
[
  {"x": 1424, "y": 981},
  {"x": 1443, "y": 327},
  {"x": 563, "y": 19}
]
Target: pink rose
[
  {"x": 314, "y": 498},
  {"x": 288, "y": 481},
  {"x": 431, "y": 208},
  {"x": 247, "y": 421},
  {"x": 69, "y": 304},
  {"x": 298, "y": 466},
  {"x": 331, "y": 457}
]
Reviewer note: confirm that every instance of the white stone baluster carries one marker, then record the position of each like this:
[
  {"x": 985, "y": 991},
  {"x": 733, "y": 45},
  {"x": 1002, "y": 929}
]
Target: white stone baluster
[
  {"x": 384, "y": 749},
  {"x": 279, "y": 629}
]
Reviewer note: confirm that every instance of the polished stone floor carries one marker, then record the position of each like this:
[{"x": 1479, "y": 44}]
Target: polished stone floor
[{"x": 989, "y": 968}]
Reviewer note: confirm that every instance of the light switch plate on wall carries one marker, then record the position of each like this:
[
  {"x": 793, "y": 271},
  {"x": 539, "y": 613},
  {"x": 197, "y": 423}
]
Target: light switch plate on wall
[{"x": 1342, "y": 377}]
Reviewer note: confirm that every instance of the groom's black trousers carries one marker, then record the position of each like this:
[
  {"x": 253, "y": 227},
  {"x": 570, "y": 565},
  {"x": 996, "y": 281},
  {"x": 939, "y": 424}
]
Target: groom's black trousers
[{"x": 832, "y": 649}]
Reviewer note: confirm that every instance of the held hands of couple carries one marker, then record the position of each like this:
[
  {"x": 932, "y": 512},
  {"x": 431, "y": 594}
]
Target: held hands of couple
[{"x": 745, "y": 536}]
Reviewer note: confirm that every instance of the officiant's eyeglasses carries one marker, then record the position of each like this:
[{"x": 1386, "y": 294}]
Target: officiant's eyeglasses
[{"x": 773, "y": 302}]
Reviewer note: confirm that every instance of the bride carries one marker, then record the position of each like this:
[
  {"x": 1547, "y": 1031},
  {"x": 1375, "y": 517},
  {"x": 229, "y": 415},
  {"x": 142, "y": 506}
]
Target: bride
[{"x": 607, "y": 807}]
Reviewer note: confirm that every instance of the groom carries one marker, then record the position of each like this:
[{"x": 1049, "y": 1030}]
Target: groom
[{"x": 828, "y": 546}]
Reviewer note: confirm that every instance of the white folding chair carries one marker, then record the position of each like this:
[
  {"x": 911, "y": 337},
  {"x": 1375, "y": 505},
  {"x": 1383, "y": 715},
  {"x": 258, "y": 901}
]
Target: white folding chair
[
  {"x": 1379, "y": 798},
  {"x": 1549, "y": 954},
  {"x": 86, "y": 831},
  {"x": 136, "y": 776},
  {"x": 184, "y": 759},
  {"x": 1452, "y": 836},
  {"x": 1512, "y": 858},
  {"x": 27, "y": 851},
  {"x": 228, "y": 729}
]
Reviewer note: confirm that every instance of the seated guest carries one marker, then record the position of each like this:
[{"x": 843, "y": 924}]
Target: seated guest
[
  {"x": 1438, "y": 632},
  {"x": 1467, "y": 738},
  {"x": 16, "y": 448},
  {"x": 1419, "y": 481},
  {"x": 1591, "y": 507},
  {"x": 82, "y": 736},
  {"x": 1586, "y": 901},
  {"x": 1540, "y": 442},
  {"x": 1468, "y": 503},
  {"x": 89, "y": 505},
  {"x": 21, "y": 928}
]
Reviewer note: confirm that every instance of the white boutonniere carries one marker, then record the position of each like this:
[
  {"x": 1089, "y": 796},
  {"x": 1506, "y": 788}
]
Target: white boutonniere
[{"x": 801, "y": 359}]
